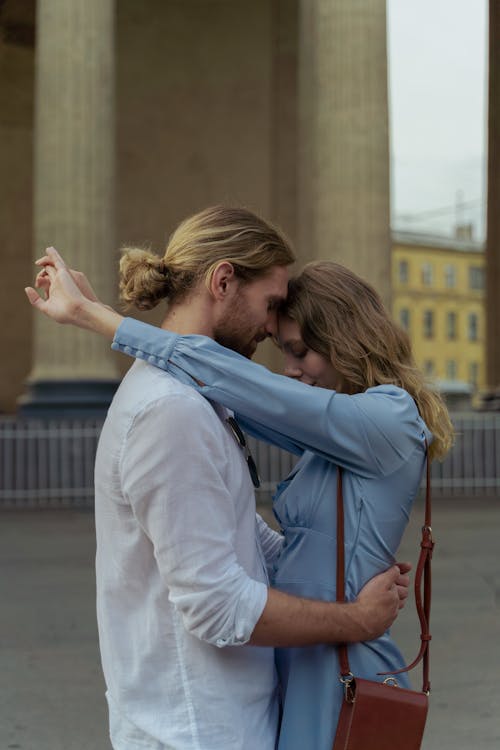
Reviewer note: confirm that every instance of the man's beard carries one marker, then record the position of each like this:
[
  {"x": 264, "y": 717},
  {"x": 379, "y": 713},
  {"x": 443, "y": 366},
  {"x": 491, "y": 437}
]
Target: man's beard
[
  {"x": 239, "y": 340},
  {"x": 235, "y": 332}
]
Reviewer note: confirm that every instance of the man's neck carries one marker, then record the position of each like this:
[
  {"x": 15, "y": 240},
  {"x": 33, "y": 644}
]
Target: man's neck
[{"x": 189, "y": 317}]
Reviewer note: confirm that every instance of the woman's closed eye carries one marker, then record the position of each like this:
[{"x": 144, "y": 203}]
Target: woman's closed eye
[{"x": 298, "y": 351}]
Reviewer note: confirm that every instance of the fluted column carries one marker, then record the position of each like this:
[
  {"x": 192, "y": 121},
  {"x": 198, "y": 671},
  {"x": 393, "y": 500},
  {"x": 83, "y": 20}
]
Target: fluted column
[
  {"x": 74, "y": 183},
  {"x": 344, "y": 201}
]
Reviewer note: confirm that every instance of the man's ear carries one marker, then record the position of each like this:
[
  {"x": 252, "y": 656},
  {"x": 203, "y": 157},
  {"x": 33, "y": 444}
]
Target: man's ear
[{"x": 223, "y": 280}]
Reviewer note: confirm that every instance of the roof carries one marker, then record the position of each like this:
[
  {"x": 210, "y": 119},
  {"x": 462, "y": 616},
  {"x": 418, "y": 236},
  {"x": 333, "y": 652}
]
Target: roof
[
  {"x": 436, "y": 241},
  {"x": 454, "y": 387}
]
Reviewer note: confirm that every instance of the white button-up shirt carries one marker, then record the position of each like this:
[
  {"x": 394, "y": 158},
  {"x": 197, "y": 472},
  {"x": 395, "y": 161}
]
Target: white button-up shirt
[{"x": 181, "y": 574}]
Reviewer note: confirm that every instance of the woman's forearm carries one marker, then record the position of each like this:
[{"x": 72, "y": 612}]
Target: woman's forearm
[{"x": 96, "y": 317}]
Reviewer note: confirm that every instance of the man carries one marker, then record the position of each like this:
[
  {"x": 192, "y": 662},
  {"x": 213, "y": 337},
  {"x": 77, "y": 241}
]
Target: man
[{"x": 182, "y": 587}]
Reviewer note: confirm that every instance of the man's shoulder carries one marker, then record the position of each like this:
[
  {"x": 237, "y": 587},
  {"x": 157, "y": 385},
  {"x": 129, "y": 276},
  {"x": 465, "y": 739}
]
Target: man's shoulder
[
  {"x": 153, "y": 412},
  {"x": 145, "y": 386}
]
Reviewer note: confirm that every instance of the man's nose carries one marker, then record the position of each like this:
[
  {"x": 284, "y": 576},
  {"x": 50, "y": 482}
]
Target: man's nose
[{"x": 272, "y": 323}]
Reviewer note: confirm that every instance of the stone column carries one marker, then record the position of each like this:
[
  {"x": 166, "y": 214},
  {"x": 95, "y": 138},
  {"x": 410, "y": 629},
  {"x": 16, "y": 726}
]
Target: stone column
[
  {"x": 344, "y": 200},
  {"x": 493, "y": 217},
  {"x": 73, "y": 370},
  {"x": 284, "y": 116}
]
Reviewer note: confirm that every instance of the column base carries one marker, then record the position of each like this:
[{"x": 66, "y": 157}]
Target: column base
[{"x": 72, "y": 399}]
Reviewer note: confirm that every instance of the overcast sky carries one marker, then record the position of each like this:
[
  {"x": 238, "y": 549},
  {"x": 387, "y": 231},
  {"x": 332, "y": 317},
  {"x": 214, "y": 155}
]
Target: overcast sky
[{"x": 437, "y": 91}]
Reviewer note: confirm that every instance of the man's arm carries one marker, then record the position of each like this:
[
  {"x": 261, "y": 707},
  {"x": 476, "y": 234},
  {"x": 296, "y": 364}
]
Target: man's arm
[
  {"x": 172, "y": 472},
  {"x": 292, "y": 621}
]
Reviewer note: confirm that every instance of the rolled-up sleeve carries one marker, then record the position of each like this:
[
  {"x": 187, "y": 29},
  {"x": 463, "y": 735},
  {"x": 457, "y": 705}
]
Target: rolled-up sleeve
[{"x": 172, "y": 471}]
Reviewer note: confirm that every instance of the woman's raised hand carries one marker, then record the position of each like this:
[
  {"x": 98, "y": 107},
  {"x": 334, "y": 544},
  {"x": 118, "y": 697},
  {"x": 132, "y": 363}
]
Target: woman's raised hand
[
  {"x": 69, "y": 297},
  {"x": 65, "y": 290}
]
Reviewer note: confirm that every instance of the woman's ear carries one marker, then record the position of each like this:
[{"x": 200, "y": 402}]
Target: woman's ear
[{"x": 223, "y": 280}]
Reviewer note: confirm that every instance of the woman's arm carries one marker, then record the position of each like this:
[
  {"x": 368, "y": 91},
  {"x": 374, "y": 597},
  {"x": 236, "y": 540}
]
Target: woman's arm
[{"x": 370, "y": 433}]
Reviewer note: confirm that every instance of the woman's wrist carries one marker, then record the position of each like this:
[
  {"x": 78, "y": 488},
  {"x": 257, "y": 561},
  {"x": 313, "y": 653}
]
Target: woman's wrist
[{"x": 96, "y": 317}]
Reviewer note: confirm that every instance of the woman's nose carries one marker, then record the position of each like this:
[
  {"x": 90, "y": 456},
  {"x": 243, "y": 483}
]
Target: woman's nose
[{"x": 292, "y": 370}]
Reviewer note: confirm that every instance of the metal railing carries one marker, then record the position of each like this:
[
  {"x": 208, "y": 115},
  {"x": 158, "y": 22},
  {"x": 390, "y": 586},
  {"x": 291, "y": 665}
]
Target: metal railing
[
  {"x": 51, "y": 464},
  {"x": 47, "y": 463}
]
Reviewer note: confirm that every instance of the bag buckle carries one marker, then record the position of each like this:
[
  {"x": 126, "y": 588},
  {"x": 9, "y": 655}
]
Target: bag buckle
[
  {"x": 347, "y": 681},
  {"x": 391, "y": 681}
]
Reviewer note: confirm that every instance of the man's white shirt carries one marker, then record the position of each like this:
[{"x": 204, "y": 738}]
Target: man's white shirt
[{"x": 181, "y": 574}]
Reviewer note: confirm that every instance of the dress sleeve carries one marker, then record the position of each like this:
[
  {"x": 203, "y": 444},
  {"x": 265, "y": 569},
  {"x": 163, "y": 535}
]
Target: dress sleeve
[
  {"x": 173, "y": 477},
  {"x": 370, "y": 433}
]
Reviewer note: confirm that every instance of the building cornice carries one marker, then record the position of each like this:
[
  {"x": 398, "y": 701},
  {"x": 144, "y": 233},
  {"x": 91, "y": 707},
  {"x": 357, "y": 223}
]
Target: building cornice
[{"x": 417, "y": 240}]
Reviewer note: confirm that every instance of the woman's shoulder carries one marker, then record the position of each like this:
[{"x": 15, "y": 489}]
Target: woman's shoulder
[
  {"x": 388, "y": 389},
  {"x": 392, "y": 423},
  {"x": 390, "y": 405},
  {"x": 387, "y": 394}
]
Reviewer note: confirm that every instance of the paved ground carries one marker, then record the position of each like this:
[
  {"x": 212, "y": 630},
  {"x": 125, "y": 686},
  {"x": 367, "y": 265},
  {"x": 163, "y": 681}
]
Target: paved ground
[{"x": 51, "y": 688}]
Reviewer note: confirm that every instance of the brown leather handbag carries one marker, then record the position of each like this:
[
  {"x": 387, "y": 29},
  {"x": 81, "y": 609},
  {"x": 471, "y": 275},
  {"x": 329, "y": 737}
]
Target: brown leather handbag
[{"x": 382, "y": 715}]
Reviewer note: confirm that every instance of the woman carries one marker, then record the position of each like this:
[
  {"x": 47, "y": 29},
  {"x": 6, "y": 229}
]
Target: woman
[{"x": 353, "y": 400}]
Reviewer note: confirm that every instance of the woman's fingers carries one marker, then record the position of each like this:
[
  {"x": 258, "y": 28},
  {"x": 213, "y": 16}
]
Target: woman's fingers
[
  {"x": 34, "y": 297},
  {"x": 56, "y": 257},
  {"x": 44, "y": 261},
  {"x": 45, "y": 273},
  {"x": 51, "y": 258}
]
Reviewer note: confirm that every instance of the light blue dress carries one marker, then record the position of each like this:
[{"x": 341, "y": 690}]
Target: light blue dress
[{"x": 377, "y": 437}]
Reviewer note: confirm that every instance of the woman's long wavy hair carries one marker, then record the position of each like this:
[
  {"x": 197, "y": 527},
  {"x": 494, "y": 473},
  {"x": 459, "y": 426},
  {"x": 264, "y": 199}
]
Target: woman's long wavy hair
[{"x": 342, "y": 317}]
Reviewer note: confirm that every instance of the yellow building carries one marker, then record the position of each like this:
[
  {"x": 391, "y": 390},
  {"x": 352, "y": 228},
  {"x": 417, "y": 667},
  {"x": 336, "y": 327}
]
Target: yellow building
[{"x": 438, "y": 297}]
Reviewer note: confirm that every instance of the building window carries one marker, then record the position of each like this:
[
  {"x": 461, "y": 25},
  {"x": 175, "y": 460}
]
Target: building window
[
  {"x": 476, "y": 277},
  {"x": 429, "y": 367},
  {"x": 403, "y": 271},
  {"x": 428, "y": 324},
  {"x": 472, "y": 327},
  {"x": 473, "y": 373},
  {"x": 404, "y": 318},
  {"x": 451, "y": 326},
  {"x": 427, "y": 274},
  {"x": 451, "y": 369},
  {"x": 450, "y": 277}
]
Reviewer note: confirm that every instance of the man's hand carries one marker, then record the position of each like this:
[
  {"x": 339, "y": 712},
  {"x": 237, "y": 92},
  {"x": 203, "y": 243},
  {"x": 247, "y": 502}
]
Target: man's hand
[
  {"x": 379, "y": 602},
  {"x": 403, "y": 582}
]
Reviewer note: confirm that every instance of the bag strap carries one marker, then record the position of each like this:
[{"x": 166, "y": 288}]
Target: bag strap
[{"x": 422, "y": 576}]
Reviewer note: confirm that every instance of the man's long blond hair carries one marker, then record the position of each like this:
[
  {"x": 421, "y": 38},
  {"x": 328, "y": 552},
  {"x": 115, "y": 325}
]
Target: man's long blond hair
[
  {"x": 343, "y": 318},
  {"x": 202, "y": 241}
]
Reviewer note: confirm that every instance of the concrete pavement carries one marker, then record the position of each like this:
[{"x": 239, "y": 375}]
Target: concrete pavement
[
  {"x": 51, "y": 686},
  {"x": 465, "y": 624}
]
